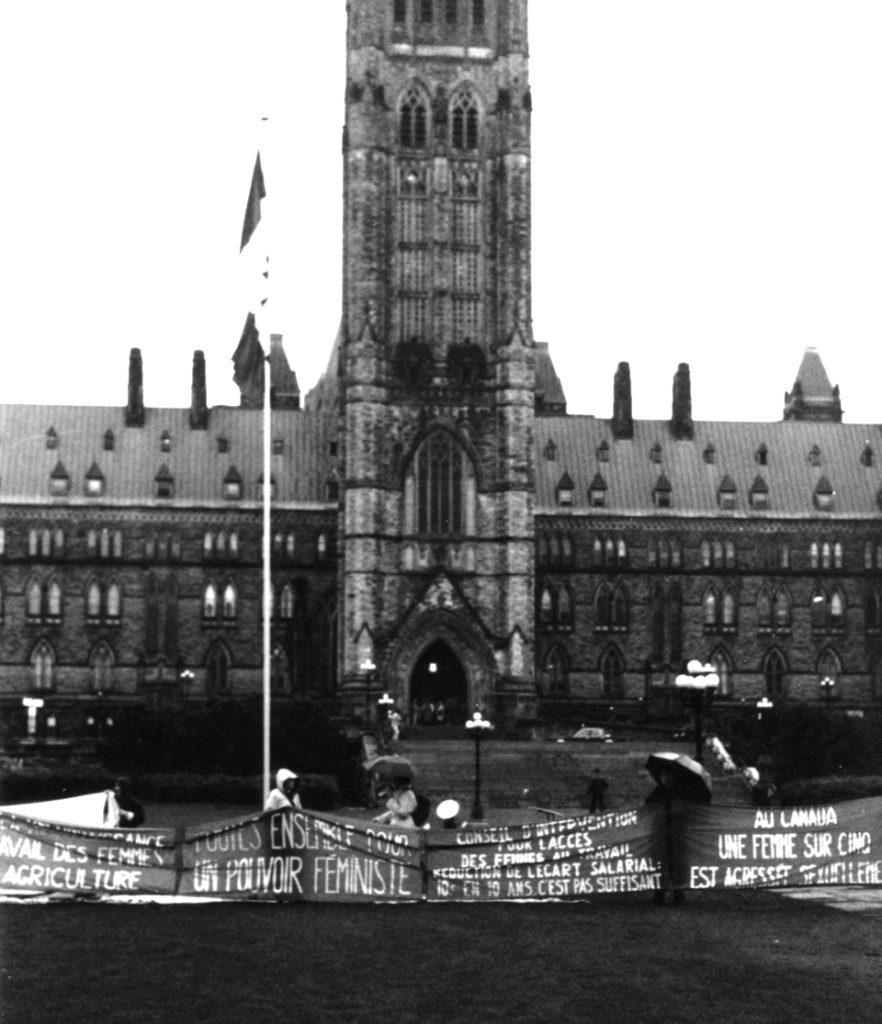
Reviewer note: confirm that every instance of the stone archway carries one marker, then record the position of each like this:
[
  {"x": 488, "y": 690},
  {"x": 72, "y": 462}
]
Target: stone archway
[
  {"x": 438, "y": 687},
  {"x": 462, "y": 656}
]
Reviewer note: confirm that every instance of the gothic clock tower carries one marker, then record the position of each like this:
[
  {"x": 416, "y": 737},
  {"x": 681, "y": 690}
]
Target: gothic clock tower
[{"x": 436, "y": 360}]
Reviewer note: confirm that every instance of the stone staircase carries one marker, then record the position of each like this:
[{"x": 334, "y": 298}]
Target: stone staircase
[{"x": 544, "y": 774}]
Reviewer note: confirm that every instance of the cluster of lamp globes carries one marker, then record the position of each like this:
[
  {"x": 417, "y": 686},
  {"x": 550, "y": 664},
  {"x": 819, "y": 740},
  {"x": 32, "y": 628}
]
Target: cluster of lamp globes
[
  {"x": 698, "y": 676},
  {"x": 480, "y": 723}
]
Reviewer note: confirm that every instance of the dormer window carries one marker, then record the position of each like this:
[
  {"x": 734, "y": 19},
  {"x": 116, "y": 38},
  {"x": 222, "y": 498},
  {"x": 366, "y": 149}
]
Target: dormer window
[
  {"x": 814, "y": 456},
  {"x": 278, "y": 446},
  {"x": 165, "y": 483},
  {"x": 867, "y": 455},
  {"x": 51, "y": 439},
  {"x": 824, "y": 495},
  {"x": 661, "y": 494},
  {"x": 165, "y": 441},
  {"x": 109, "y": 440},
  {"x": 603, "y": 451},
  {"x": 759, "y": 495},
  {"x": 597, "y": 492},
  {"x": 94, "y": 482},
  {"x": 710, "y": 454},
  {"x": 762, "y": 455},
  {"x": 655, "y": 453},
  {"x": 727, "y": 495},
  {"x": 232, "y": 485},
  {"x": 223, "y": 445},
  {"x": 565, "y": 491},
  {"x": 59, "y": 481},
  {"x": 550, "y": 451}
]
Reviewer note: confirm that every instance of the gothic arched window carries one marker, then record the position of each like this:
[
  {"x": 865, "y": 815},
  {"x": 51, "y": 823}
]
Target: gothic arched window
[
  {"x": 413, "y": 120},
  {"x": 555, "y": 677},
  {"x": 43, "y": 666},
  {"x": 775, "y": 672},
  {"x": 229, "y": 606},
  {"x": 612, "y": 673},
  {"x": 101, "y": 664},
  {"x": 443, "y": 478},
  {"x": 464, "y": 121},
  {"x": 209, "y": 601}
]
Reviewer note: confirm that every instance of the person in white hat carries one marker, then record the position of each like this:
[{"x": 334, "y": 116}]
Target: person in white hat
[{"x": 285, "y": 793}]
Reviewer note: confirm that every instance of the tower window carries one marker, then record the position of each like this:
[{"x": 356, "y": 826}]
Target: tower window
[
  {"x": 399, "y": 12},
  {"x": 478, "y": 13},
  {"x": 426, "y": 12},
  {"x": 442, "y": 479},
  {"x": 464, "y": 122},
  {"x": 412, "y": 121},
  {"x": 450, "y": 11}
]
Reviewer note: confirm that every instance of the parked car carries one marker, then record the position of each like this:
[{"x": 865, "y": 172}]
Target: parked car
[{"x": 592, "y": 734}]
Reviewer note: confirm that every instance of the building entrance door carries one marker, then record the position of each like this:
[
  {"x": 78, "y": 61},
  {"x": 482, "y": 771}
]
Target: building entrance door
[{"x": 438, "y": 687}]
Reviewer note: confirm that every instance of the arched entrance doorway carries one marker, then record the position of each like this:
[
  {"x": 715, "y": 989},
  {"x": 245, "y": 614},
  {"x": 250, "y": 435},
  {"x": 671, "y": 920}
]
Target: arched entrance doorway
[{"x": 438, "y": 687}]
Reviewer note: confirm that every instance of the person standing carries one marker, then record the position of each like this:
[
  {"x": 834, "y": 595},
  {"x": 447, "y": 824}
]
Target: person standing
[
  {"x": 131, "y": 812},
  {"x": 286, "y": 793},
  {"x": 597, "y": 788},
  {"x": 400, "y": 805}
]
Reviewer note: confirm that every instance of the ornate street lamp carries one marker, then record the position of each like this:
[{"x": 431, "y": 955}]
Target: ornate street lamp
[
  {"x": 369, "y": 669},
  {"x": 697, "y": 688},
  {"x": 828, "y": 684},
  {"x": 384, "y": 707},
  {"x": 763, "y": 704},
  {"x": 478, "y": 726}
]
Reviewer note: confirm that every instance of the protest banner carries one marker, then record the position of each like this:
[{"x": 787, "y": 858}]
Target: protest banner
[
  {"x": 744, "y": 847},
  {"x": 304, "y": 856},
  {"x": 300, "y": 855},
  {"x": 617, "y": 852},
  {"x": 49, "y": 856}
]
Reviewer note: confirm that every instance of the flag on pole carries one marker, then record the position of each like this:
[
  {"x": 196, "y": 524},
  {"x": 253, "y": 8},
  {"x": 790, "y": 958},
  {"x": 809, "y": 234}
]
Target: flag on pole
[
  {"x": 248, "y": 365},
  {"x": 252, "y": 209}
]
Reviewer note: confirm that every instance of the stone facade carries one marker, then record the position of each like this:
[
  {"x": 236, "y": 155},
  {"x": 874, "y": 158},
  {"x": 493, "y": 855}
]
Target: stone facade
[{"x": 442, "y": 529}]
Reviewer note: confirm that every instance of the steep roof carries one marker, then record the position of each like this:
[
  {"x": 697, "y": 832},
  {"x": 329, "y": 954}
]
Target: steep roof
[
  {"x": 197, "y": 460},
  {"x": 798, "y": 456}
]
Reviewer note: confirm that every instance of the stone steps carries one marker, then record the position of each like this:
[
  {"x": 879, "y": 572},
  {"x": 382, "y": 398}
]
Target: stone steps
[{"x": 541, "y": 774}]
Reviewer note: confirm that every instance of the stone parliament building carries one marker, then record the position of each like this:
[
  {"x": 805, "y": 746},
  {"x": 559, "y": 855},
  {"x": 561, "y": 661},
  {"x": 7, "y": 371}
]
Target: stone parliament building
[{"x": 442, "y": 529}]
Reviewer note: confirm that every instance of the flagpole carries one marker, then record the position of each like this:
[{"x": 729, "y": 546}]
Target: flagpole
[{"x": 267, "y": 581}]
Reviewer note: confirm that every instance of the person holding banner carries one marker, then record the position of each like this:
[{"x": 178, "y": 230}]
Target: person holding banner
[
  {"x": 401, "y": 804},
  {"x": 285, "y": 793},
  {"x": 131, "y": 812}
]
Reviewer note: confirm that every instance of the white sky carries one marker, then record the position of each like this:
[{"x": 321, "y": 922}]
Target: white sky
[{"x": 707, "y": 187}]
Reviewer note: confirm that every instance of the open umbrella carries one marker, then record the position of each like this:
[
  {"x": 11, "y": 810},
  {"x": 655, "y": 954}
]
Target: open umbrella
[
  {"x": 390, "y": 764},
  {"x": 684, "y": 777}
]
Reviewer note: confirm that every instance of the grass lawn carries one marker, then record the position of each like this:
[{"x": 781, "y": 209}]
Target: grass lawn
[{"x": 734, "y": 957}]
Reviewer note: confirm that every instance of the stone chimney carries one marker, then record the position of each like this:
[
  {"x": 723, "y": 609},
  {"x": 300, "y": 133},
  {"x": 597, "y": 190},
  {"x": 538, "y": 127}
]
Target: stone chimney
[
  {"x": 198, "y": 394},
  {"x": 135, "y": 406},
  {"x": 623, "y": 420},
  {"x": 681, "y": 415}
]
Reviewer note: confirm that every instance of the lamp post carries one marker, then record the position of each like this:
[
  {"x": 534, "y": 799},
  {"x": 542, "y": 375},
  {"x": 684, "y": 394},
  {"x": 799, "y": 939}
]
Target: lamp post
[
  {"x": 828, "y": 684},
  {"x": 478, "y": 726},
  {"x": 697, "y": 687},
  {"x": 763, "y": 704},
  {"x": 369, "y": 669},
  {"x": 384, "y": 707}
]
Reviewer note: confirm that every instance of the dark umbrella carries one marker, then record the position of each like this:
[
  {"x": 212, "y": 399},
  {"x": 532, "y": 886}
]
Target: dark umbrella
[
  {"x": 390, "y": 764},
  {"x": 683, "y": 776}
]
